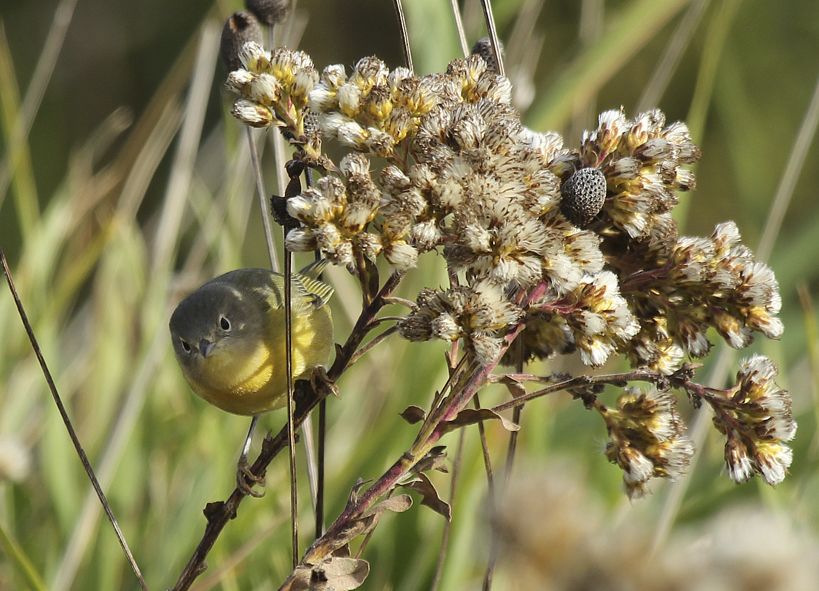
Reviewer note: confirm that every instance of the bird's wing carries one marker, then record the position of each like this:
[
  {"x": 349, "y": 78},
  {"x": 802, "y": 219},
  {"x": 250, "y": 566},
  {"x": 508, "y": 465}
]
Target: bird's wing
[
  {"x": 314, "y": 269},
  {"x": 308, "y": 292},
  {"x": 306, "y": 285}
]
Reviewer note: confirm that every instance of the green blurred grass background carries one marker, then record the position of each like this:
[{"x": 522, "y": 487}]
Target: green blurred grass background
[{"x": 133, "y": 187}]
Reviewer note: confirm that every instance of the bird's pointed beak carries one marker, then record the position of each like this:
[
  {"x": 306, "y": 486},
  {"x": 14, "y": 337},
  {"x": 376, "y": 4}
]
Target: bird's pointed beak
[{"x": 205, "y": 346}]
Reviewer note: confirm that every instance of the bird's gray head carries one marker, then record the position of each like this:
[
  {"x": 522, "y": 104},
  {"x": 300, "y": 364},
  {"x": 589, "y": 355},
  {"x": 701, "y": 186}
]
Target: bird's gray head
[{"x": 215, "y": 316}]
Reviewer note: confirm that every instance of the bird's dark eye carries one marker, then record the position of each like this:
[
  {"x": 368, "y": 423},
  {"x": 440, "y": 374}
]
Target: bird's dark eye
[
  {"x": 185, "y": 345},
  {"x": 224, "y": 323}
]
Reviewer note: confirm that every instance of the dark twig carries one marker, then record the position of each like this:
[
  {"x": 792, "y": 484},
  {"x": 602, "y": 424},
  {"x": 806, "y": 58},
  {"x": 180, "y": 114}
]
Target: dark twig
[
  {"x": 513, "y": 436},
  {"x": 526, "y": 377},
  {"x": 321, "y": 438},
  {"x": 493, "y": 34},
  {"x": 291, "y": 428},
  {"x": 68, "y": 425},
  {"x": 490, "y": 493},
  {"x": 459, "y": 24},
  {"x": 257, "y": 173},
  {"x": 467, "y": 384},
  {"x": 378, "y": 321},
  {"x": 322, "y": 449},
  {"x": 402, "y": 23}
]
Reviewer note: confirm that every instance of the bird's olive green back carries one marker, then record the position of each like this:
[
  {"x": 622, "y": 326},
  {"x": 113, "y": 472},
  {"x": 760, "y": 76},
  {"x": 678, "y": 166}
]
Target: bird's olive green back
[{"x": 307, "y": 290}]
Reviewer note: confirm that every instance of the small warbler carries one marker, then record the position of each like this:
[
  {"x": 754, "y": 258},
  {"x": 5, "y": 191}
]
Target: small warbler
[{"x": 229, "y": 337}]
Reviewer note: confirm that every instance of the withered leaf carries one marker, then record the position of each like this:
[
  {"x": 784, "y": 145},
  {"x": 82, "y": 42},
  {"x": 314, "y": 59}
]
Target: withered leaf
[
  {"x": 434, "y": 460},
  {"x": 299, "y": 579},
  {"x": 470, "y": 416},
  {"x": 515, "y": 388},
  {"x": 398, "y": 504},
  {"x": 413, "y": 414},
  {"x": 372, "y": 275},
  {"x": 333, "y": 574},
  {"x": 339, "y": 574},
  {"x": 330, "y": 545},
  {"x": 430, "y": 497},
  {"x": 370, "y": 519},
  {"x": 343, "y": 552}
]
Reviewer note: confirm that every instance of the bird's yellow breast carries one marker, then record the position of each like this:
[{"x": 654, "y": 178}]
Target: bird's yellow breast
[{"x": 255, "y": 382}]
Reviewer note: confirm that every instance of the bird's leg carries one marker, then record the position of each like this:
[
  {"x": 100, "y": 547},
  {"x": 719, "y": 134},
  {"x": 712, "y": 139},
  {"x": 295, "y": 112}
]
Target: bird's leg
[
  {"x": 321, "y": 383},
  {"x": 245, "y": 479}
]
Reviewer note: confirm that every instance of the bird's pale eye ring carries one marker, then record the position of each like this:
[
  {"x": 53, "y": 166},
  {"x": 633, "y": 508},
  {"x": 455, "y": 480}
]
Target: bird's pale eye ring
[
  {"x": 224, "y": 323},
  {"x": 185, "y": 345}
]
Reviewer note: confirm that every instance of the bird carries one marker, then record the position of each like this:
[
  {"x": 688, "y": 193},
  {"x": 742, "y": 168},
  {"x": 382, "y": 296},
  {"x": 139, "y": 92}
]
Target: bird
[{"x": 229, "y": 336}]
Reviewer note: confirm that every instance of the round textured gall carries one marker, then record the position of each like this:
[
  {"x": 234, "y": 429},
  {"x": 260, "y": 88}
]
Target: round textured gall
[
  {"x": 483, "y": 48},
  {"x": 583, "y": 195}
]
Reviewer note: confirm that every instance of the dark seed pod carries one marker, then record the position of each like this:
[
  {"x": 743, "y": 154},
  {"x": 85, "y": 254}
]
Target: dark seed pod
[
  {"x": 278, "y": 205},
  {"x": 312, "y": 131},
  {"x": 311, "y": 123},
  {"x": 583, "y": 195},
  {"x": 483, "y": 48},
  {"x": 270, "y": 12},
  {"x": 240, "y": 28}
]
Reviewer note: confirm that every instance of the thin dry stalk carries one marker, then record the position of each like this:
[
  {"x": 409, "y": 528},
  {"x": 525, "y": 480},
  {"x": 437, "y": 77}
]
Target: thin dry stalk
[
  {"x": 493, "y": 34},
  {"x": 263, "y": 200},
  {"x": 793, "y": 169},
  {"x": 491, "y": 495},
  {"x": 402, "y": 24},
  {"x": 459, "y": 25},
  {"x": 291, "y": 427},
  {"x": 68, "y": 424},
  {"x": 456, "y": 471}
]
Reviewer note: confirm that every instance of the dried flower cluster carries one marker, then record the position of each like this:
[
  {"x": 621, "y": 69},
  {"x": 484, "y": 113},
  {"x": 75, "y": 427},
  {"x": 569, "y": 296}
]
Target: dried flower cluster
[
  {"x": 565, "y": 250},
  {"x": 475, "y": 314},
  {"x": 646, "y": 438},
  {"x": 701, "y": 283},
  {"x": 273, "y": 87},
  {"x": 756, "y": 417}
]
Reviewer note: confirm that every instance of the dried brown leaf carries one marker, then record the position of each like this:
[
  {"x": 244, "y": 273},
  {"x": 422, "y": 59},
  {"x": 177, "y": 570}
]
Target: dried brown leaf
[
  {"x": 339, "y": 574},
  {"x": 434, "y": 460},
  {"x": 398, "y": 504},
  {"x": 430, "y": 497},
  {"x": 333, "y": 574},
  {"x": 370, "y": 519},
  {"x": 514, "y": 386},
  {"x": 345, "y": 536},
  {"x": 343, "y": 552},
  {"x": 299, "y": 580},
  {"x": 413, "y": 414}
]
